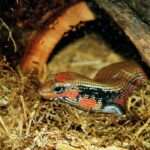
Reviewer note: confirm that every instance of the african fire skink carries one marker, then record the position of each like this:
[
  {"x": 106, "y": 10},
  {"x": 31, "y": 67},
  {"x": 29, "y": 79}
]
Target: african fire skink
[{"x": 107, "y": 92}]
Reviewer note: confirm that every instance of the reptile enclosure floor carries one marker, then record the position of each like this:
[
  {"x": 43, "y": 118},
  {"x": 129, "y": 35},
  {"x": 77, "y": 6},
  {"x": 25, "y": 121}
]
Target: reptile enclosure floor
[
  {"x": 28, "y": 122},
  {"x": 85, "y": 55}
]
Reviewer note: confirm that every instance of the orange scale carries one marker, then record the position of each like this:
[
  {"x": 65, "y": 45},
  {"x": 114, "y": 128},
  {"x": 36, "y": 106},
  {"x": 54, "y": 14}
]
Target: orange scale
[
  {"x": 121, "y": 101},
  {"x": 88, "y": 103},
  {"x": 70, "y": 94},
  {"x": 63, "y": 76}
]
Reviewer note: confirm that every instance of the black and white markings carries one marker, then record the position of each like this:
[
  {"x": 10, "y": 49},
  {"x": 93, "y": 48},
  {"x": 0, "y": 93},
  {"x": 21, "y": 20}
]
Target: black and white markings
[{"x": 105, "y": 96}]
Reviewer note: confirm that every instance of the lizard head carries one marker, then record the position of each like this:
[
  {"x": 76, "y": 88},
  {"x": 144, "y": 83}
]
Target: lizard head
[
  {"x": 68, "y": 87},
  {"x": 77, "y": 90},
  {"x": 60, "y": 87}
]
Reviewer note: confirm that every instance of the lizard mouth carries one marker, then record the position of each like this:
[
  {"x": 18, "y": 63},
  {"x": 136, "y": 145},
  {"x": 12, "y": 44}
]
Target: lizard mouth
[{"x": 46, "y": 94}]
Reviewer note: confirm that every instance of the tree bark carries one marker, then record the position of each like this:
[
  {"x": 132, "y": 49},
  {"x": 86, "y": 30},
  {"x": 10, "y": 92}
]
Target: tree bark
[{"x": 136, "y": 30}]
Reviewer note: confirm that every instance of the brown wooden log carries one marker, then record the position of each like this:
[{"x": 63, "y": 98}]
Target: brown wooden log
[
  {"x": 137, "y": 31},
  {"x": 43, "y": 43},
  {"x": 142, "y": 9}
]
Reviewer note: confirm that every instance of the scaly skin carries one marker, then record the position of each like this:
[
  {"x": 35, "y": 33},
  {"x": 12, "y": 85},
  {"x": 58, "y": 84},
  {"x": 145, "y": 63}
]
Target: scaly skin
[{"x": 107, "y": 92}]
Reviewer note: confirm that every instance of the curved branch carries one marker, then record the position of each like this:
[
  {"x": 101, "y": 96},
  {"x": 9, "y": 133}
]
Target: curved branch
[{"x": 43, "y": 43}]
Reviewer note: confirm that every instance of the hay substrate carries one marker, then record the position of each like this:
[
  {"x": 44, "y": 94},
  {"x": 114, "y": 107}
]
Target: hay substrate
[{"x": 28, "y": 122}]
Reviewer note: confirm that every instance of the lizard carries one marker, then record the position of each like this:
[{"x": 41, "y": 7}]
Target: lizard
[{"x": 107, "y": 92}]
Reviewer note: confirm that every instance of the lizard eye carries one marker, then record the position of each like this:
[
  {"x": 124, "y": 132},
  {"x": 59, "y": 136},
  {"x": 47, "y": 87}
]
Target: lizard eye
[{"x": 59, "y": 89}]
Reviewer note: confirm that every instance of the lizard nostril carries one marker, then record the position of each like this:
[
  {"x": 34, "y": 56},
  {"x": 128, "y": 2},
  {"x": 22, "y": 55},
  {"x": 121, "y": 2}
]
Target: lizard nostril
[
  {"x": 40, "y": 91},
  {"x": 46, "y": 93},
  {"x": 43, "y": 91}
]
